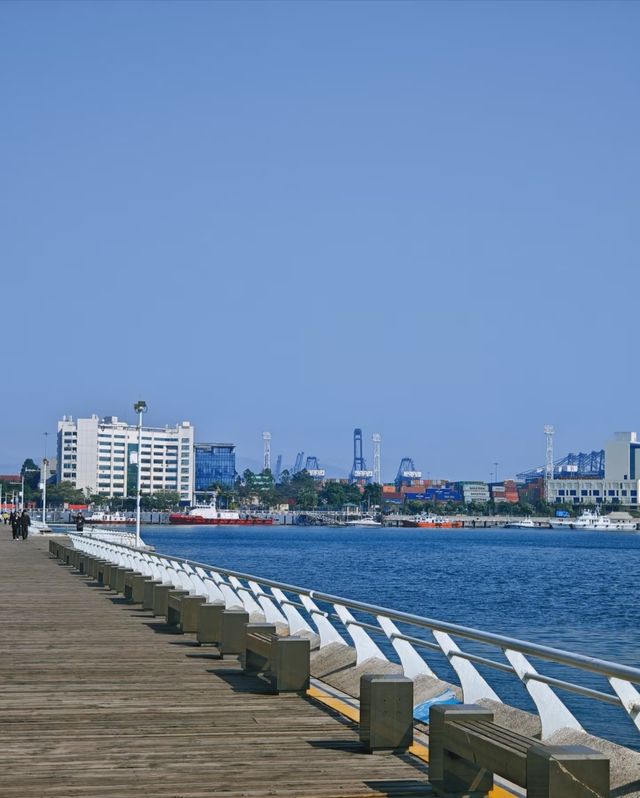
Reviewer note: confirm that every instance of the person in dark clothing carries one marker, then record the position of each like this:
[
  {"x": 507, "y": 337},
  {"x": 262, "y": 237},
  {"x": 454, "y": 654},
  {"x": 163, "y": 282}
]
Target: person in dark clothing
[
  {"x": 24, "y": 523},
  {"x": 13, "y": 520},
  {"x": 79, "y": 522}
]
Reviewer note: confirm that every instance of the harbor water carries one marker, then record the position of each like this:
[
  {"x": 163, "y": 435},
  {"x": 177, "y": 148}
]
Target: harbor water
[{"x": 571, "y": 590}]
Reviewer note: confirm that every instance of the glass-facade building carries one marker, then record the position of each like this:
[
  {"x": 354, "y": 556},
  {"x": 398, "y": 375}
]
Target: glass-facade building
[{"x": 215, "y": 464}]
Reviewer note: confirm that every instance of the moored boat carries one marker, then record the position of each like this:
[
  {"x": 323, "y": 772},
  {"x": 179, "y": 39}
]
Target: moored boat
[
  {"x": 428, "y": 521},
  {"x": 366, "y": 520},
  {"x": 100, "y": 517},
  {"x": 522, "y": 523},
  {"x": 210, "y": 514},
  {"x": 614, "y": 522}
]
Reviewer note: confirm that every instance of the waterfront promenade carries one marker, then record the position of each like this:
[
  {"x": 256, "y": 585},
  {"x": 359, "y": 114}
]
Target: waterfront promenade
[{"x": 98, "y": 699}]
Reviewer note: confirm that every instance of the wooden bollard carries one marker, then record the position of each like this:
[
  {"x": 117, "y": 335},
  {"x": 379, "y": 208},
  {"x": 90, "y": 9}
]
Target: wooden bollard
[
  {"x": 121, "y": 578},
  {"x": 102, "y": 572},
  {"x": 209, "y": 622},
  {"x": 106, "y": 574},
  {"x": 137, "y": 587},
  {"x": 233, "y": 634},
  {"x": 161, "y": 598},
  {"x": 148, "y": 591},
  {"x": 291, "y": 664},
  {"x": 386, "y": 712},
  {"x": 182, "y": 611}
]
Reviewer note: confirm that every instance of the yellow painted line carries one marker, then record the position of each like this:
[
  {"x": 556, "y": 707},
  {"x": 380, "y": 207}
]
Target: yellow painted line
[
  {"x": 418, "y": 750},
  {"x": 335, "y": 703}
]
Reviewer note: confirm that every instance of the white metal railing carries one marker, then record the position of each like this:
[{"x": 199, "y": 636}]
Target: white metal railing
[
  {"x": 298, "y": 608},
  {"x": 119, "y": 536}
]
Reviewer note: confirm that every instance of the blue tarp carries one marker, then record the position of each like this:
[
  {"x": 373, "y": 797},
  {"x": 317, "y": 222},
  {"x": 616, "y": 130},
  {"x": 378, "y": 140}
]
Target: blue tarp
[{"x": 421, "y": 711}]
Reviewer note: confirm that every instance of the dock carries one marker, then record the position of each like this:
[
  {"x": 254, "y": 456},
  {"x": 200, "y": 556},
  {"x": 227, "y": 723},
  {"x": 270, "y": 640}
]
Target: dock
[{"x": 99, "y": 698}]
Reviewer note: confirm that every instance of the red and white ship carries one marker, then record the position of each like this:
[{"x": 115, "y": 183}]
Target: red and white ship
[{"x": 210, "y": 514}]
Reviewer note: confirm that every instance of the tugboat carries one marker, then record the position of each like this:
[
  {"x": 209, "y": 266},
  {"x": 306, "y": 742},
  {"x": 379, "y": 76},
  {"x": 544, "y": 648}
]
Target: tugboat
[
  {"x": 428, "y": 521},
  {"x": 211, "y": 515}
]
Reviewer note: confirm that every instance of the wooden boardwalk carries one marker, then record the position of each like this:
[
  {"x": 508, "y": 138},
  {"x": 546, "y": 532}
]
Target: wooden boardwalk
[{"x": 98, "y": 699}]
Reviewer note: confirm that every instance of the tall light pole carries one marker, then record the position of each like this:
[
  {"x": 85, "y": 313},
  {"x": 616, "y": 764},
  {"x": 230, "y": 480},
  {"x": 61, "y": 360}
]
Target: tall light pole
[
  {"x": 140, "y": 408},
  {"x": 45, "y": 464}
]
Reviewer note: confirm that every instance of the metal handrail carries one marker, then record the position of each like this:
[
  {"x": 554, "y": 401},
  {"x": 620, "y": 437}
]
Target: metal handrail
[
  {"x": 582, "y": 661},
  {"x": 626, "y": 696}
]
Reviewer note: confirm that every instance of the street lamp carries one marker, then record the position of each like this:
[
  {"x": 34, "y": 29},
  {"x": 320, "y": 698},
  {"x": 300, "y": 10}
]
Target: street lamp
[
  {"x": 45, "y": 465},
  {"x": 140, "y": 408},
  {"x": 45, "y": 468}
]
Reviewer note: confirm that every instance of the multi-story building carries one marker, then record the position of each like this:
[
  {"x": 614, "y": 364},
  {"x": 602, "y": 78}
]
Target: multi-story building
[
  {"x": 621, "y": 483},
  {"x": 215, "y": 464},
  {"x": 101, "y": 456}
]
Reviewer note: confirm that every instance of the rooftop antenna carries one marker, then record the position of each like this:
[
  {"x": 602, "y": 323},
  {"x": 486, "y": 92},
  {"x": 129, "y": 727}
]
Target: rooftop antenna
[
  {"x": 376, "y": 438},
  {"x": 548, "y": 468},
  {"x": 266, "y": 438}
]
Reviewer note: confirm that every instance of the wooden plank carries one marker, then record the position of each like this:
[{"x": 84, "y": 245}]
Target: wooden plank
[
  {"x": 487, "y": 750},
  {"x": 97, "y": 698}
]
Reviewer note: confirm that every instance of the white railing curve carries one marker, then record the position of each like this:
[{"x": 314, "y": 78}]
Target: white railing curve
[{"x": 297, "y": 607}]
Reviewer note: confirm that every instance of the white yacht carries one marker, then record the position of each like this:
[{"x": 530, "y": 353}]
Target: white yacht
[
  {"x": 614, "y": 522},
  {"x": 366, "y": 520},
  {"x": 523, "y": 523}
]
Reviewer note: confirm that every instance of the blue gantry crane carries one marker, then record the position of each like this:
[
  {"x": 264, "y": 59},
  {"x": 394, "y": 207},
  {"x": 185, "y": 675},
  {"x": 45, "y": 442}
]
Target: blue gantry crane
[
  {"x": 406, "y": 472},
  {"x": 580, "y": 465},
  {"x": 359, "y": 471}
]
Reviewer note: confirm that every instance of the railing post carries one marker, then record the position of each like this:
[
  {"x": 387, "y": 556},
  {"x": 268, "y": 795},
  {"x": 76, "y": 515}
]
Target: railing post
[
  {"x": 233, "y": 635},
  {"x": 386, "y": 712},
  {"x": 210, "y": 622},
  {"x": 474, "y": 686},
  {"x": 553, "y": 713}
]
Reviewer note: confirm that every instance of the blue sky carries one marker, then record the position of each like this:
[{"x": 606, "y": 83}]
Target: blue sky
[{"x": 416, "y": 218}]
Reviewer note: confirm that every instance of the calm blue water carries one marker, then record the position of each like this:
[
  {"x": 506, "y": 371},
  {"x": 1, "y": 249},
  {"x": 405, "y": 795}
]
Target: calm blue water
[{"x": 571, "y": 590}]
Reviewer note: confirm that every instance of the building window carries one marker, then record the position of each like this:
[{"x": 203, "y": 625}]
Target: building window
[{"x": 584, "y": 493}]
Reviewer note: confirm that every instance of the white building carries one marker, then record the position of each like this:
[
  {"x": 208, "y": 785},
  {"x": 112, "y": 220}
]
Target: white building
[
  {"x": 101, "y": 456},
  {"x": 621, "y": 482}
]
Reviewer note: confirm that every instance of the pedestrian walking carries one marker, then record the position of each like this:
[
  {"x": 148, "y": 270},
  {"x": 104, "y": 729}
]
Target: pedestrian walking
[
  {"x": 24, "y": 524},
  {"x": 13, "y": 520},
  {"x": 79, "y": 522}
]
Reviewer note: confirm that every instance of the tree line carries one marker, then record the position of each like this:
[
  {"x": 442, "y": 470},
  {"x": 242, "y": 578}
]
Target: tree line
[{"x": 300, "y": 491}]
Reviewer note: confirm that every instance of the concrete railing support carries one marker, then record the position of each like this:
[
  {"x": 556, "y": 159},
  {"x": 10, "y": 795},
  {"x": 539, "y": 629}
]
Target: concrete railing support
[
  {"x": 233, "y": 635},
  {"x": 386, "y": 712},
  {"x": 209, "y": 622}
]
